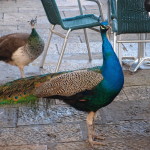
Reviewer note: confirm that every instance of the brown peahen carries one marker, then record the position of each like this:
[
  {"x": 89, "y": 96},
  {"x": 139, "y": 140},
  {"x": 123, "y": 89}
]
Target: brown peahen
[
  {"x": 86, "y": 89},
  {"x": 20, "y": 49}
]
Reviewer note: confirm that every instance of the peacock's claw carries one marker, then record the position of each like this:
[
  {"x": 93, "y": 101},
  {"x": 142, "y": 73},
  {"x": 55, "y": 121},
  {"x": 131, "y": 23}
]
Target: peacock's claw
[
  {"x": 92, "y": 143},
  {"x": 98, "y": 137}
]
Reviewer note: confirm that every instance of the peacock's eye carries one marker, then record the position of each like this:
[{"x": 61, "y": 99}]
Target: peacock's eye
[
  {"x": 16, "y": 97},
  {"x": 25, "y": 93}
]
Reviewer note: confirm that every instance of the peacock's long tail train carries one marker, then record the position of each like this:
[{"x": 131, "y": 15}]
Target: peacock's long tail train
[{"x": 21, "y": 90}]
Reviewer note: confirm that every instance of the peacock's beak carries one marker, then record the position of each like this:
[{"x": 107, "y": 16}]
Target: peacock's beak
[{"x": 105, "y": 26}]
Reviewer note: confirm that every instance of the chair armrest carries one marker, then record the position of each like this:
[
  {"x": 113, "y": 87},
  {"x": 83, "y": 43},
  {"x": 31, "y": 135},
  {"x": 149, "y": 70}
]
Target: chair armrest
[{"x": 99, "y": 7}]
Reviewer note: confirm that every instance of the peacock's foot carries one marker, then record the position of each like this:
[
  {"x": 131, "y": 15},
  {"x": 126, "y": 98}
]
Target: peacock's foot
[
  {"x": 98, "y": 137},
  {"x": 92, "y": 140},
  {"x": 92, "y": 143}
]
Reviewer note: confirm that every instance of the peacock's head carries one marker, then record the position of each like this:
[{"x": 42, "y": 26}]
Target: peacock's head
[
  {"x": 33, "y": 22},
  {"x": 104, "y": 26}
]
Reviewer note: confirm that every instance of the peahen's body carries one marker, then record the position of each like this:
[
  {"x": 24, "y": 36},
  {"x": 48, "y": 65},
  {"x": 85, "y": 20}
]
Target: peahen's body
[
  {"x": 86, "y": 90},
  {"x": 20, "y": 49}
]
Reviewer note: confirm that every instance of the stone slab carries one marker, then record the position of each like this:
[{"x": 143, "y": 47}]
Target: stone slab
[
  {"x": 8, "y": 117},
  {"x": 124, "y": 129},
  {"x": 93, "y": 37},
  {"x": 113, "y": 144},
  {"x": 25, "y": 147},
  {"x": 1, "y": 15},
  {"x": 141, "y": 77},
  {"x": 27, "y": 3},
  {"x": 31, "y": 9},
  {"x": 69, "y": 62},
  {"x": 40, "y": 134},
  {"x": 73, "y": 146},
  {"x": 17, "y": 18},
  {"x": 73, "y": 38},
  {"x": 126, "y": 135},
  {"x": 8, "y": 3},
  {"x": 8, "y": 29},
  {"x": 128, "y": 110},
  {"x": 6, "y": 9},
  {"x": 54, "y": 114},
  {"x": 137, "y": 92},
  {"x": 80, "y": 48},
  {"x": 121, "y": 96}
]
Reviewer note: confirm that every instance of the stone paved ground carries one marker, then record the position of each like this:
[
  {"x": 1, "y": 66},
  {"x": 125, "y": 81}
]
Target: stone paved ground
[{"x": 125, "y": 123}]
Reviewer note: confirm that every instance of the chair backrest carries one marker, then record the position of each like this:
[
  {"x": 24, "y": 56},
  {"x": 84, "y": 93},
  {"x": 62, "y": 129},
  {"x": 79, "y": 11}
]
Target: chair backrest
[
  {"x": 132, "y": 17},
  {"x": 52, "y": 11}
]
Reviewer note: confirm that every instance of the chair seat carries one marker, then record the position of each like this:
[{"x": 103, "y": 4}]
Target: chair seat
[{"x": 80, "y": 22}]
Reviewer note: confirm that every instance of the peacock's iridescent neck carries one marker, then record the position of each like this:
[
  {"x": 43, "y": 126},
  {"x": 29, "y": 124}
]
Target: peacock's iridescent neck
[{"x": 111, "y": 69}]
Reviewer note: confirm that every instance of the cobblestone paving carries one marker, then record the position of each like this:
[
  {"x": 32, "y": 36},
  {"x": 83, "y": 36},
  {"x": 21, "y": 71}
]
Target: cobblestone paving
[{"x": 125, "y": 123}]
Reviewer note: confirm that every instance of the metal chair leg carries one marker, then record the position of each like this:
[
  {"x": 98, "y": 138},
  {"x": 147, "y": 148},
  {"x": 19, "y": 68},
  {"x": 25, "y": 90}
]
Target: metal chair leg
[
  {"x": 141, "y": 54},
  {"x": 87, "y": 44},
  {"x": 117, "y": 47},
  {"x": 62, "y": 51},
  {"x": 85, "y": 33},
  {"x": 115, "y": 43},
  {"x": 119, "y": 50},
  {"x": 47, "y": 46}
]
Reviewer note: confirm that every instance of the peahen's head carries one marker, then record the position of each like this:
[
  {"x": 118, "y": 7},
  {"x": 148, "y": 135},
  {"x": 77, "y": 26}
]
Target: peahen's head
[
  {"x": 104, "y": 26},
  {"x": 33, "y": 22}
]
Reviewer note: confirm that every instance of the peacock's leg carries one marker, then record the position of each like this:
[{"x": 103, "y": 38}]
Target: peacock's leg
[
  {"x": 21, "y": 68},
  {"x": 99, "y": 137},
  {"x": 91, "y": 134}
]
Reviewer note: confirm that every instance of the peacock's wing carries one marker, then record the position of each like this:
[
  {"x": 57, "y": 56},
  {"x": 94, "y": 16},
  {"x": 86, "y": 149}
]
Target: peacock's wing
[{"x": 69, "y": 84}]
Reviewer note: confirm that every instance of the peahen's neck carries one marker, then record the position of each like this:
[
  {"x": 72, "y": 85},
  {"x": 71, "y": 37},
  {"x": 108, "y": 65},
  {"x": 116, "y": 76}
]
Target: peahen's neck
[
  {"x": 111, "y": 68},
  {"x": 34, "y": 33},
  {"x": 35, "y": 44}
]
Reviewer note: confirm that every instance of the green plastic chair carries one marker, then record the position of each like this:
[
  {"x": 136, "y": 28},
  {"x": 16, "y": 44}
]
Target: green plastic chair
[
  {"x": 69, "y": 24},
  {"x": 129, "y": 17}
]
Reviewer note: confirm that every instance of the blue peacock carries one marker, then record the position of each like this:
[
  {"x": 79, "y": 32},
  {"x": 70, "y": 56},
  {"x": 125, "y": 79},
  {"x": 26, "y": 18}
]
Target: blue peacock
[{"x": 86, "y": 89}]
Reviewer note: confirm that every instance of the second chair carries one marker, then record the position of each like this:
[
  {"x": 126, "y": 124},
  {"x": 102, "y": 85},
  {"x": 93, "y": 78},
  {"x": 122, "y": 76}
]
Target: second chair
[{"x": 130, "y": 17}]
